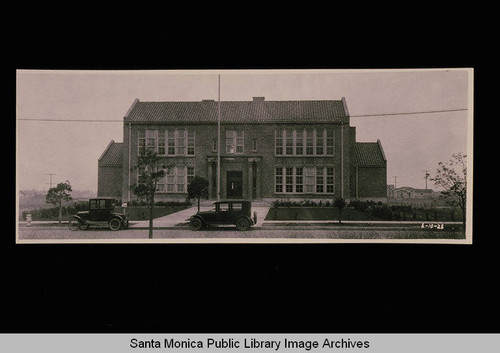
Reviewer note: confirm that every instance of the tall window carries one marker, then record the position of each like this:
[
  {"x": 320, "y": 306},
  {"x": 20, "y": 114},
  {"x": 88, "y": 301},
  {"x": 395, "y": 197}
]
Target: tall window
[
  {"x": 299, "y": 143},
  {"x": 320, "y": 180},
  {"x": 329, "y": 142},
  {"x": 234, "y": 141},
  {"x": 142, "y": 140},
  {"x": 190, "y": 143},
  {"x": 309, "y": 180},
  {"x": 171, "y": 180},
  {"x": 147, "y": 140},
  {"x": 180, "y": 145},
  {"x": 299, "y": 180},
  {"x": 279, "y": 180},
  {"x": 161, "y": 142},
  {"x": 329, "y": 180},
  {"x": 279, "y": 142},
  {"x": 171, "y": 142},
  {"x": 309, "y": 143},
  {"x": 160, "y": 185},
  {"x": 177, "y": 179},
  {"x": 289, "y": 142},
  {"x": 190, "y": 175},
  {"x": 319, "y": 142},
  {"x": 151, "y": 139},
  {"x": 289, "y": 180}
]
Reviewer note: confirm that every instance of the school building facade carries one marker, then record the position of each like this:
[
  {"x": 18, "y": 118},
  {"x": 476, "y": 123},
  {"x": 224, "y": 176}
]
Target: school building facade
[{"x": 301, "y": 149}]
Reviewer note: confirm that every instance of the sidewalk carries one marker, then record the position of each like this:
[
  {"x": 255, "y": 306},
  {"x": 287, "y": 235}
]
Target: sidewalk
[
  {"x": 172, "y": 220},
  {"x": 180, "y": 219}
]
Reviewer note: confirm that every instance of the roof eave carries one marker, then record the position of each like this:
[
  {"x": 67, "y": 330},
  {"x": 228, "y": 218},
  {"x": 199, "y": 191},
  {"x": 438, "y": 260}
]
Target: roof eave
[{"x": 106, "y": 150}]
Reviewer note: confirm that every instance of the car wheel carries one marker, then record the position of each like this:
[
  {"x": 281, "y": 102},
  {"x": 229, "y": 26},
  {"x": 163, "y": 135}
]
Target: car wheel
[
  {"x": 242, "y": 224},
  {"x": 73, "y": 224},
  {"x": 115, "y": 224},
  {"x": 195, "y": 224},
  {"x": 84, "y": 226}
]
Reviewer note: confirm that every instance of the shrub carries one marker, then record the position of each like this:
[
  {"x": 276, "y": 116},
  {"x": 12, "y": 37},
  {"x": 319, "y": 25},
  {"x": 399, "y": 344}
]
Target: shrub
[
  {"x": 173, "y": 203},
  {"x": 361, "y": 205}
]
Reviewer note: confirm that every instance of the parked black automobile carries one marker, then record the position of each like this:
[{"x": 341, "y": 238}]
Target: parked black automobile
[
  {"x": 101, "y": 213},
  {"x": 237, "y": 212}
]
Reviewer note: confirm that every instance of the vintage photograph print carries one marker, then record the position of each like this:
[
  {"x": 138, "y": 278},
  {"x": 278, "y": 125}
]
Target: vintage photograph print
[{"x": 244, "y": 156}]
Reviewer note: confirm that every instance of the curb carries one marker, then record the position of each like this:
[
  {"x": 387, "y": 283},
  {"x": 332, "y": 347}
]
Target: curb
[{"x": 272, "y": 224}]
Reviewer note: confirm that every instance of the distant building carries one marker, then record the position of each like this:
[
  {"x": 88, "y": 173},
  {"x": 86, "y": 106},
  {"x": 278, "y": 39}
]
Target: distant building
[
  {"x": 268, "y": 150},
  {"x": 407, "y": 192}
]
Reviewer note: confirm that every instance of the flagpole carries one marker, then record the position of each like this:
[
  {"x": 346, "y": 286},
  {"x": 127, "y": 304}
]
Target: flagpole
[{"x": 218, "y": 143}]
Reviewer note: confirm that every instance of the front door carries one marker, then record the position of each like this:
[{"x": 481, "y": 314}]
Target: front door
[{"x": 234, "y": 184}]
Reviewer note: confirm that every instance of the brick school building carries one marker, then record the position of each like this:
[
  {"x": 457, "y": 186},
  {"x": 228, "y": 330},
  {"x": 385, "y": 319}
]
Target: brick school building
[{"x": 300, "y": 149}]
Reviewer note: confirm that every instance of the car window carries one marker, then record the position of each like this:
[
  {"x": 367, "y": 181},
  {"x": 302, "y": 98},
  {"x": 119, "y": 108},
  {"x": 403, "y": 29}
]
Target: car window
[
  {"x": 102, "y": 204},
  {"x": 223, "y": 207},
  {"x": 237, "y": 206}
]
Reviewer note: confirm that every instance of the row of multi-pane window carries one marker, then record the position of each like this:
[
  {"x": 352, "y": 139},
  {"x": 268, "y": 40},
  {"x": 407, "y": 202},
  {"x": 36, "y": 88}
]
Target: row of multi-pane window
[
  {"x": 181, "y": 142},
  {"x": 308, "y": 180},
  {"x": 168, "y": 142},
  {"x": 304, "y": 142},
  {"x": 176, "y": 179}
]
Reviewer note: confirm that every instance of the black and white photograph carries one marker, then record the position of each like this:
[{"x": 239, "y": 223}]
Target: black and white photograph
[{"x": 244, "y": 156}]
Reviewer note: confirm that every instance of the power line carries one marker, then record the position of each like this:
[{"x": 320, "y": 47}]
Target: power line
[
  {"x": 74, "y": 120},
  {"x": 410, "y": 113},
  {"x": 352, "y": 116}
]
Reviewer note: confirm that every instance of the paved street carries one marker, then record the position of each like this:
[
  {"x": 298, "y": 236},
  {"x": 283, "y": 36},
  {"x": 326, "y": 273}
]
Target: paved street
[{"x": 264, "y": 233}]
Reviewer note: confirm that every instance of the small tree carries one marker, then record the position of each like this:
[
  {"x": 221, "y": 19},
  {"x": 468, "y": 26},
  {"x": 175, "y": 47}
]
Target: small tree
[
  {"x": 452, "y": 177},
  {"x": 57, "y": 195},
  {"x": 151, "y": 171},
  {"x": 340, "y": 203},
  {"x": 197, "y": 189}
]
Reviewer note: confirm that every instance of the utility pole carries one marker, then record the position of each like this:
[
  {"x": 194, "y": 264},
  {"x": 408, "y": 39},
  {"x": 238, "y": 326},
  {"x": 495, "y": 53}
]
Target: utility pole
[
  {"x": 395, "y": 182},
  {"x": 51, "y": 174},
  {"x": 427, "y": 175},
  {"x": 218, "y": 142}
]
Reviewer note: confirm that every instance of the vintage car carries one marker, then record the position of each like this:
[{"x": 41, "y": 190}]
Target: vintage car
[
  {"x": 101, "y": 213},
  {"x": 237, "y": 212}
]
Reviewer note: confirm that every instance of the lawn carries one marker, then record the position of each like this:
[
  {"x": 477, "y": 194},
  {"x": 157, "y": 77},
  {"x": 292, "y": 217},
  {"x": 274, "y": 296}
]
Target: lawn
[{"x": 135, "y": 213}]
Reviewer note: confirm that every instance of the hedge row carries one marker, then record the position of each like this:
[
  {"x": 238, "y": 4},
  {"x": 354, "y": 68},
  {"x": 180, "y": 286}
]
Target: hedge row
[
  {"x": 52, "y": 213},
  {"x": 383, "y": 211}
]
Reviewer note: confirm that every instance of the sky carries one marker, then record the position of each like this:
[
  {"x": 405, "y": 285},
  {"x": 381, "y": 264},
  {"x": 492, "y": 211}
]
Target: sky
[{"x": 70, "y": 150}]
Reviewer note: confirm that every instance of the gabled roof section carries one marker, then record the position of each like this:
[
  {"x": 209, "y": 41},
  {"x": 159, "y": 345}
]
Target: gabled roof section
[
  {"x": 112, "y": 155},
  {"x": 369, "y": 154},
  {"x": 257, "y": 111}
]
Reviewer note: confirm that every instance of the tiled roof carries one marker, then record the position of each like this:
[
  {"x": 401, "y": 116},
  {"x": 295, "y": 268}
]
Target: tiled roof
[
  {"x": 369, "y": 154},
  {"x": 112, "y": 156},
  {"x": 257, "y": 111}
]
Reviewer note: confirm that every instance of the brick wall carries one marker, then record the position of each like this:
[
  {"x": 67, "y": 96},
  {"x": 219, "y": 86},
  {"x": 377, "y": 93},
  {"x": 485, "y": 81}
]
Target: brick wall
[
  {"x": 109, "y": 181},
  {"x": 372, "y": 181}
]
